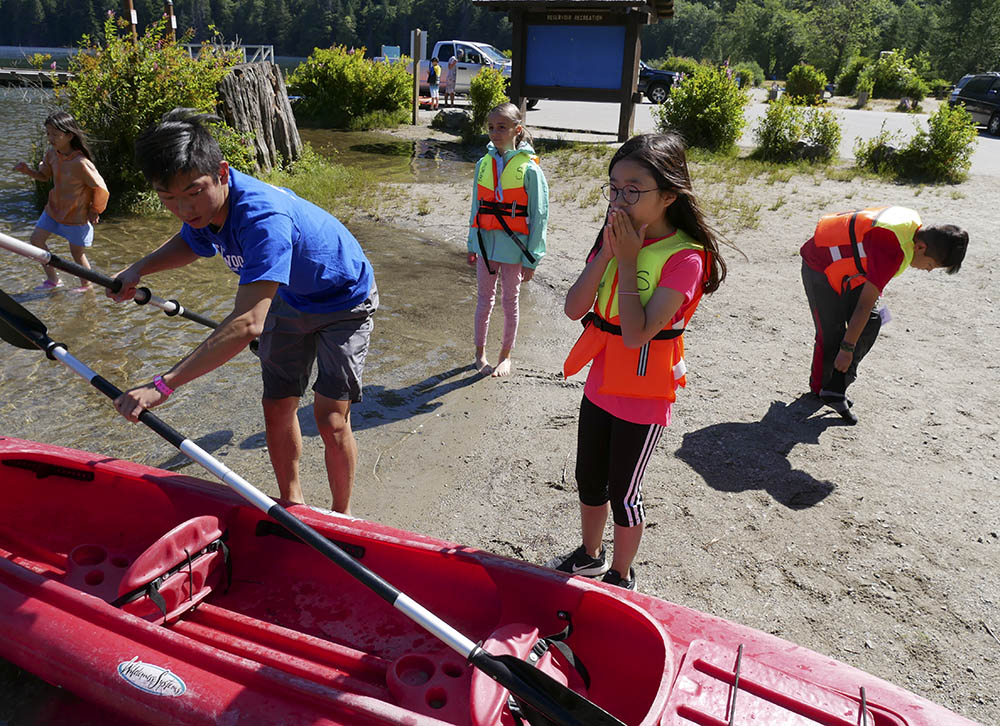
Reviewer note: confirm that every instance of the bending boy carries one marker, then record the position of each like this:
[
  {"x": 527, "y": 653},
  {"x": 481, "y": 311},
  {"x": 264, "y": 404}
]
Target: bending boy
[
  {"x": 845, "y": 266},
  {"x": 306, "y": 289}
]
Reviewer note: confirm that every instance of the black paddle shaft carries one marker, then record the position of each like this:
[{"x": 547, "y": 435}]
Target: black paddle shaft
[{"x": 552, "y": 700}]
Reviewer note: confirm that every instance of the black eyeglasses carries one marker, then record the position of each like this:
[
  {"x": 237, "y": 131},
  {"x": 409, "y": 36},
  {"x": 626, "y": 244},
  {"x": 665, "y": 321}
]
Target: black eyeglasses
[{"x": 629, "y": 194}]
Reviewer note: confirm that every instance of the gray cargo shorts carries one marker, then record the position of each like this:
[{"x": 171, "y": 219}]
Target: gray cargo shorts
[{"x": 292, "y": 340}]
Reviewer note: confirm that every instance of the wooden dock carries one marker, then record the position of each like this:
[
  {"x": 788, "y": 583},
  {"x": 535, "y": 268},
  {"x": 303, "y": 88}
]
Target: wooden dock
[{"x": 31, "y": 77}]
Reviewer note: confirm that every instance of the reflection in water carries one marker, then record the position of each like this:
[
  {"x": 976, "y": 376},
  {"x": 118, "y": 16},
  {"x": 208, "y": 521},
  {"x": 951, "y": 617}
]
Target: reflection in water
[{"x": 424, "y": 161}]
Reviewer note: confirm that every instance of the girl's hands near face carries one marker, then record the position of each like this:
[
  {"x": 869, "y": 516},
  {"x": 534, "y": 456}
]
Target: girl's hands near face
[{"x": 621, "y": 235}]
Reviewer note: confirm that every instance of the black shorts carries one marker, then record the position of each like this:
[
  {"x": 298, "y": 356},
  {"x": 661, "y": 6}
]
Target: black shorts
[
  {"x": 611, "y": 459},
  {"x": 292, "y": 340}
]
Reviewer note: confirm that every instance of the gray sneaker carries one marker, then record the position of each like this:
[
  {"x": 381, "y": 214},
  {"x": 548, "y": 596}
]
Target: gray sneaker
[
  {"x": 578, "y": 562},
  {"x": 615, "y": 578}
]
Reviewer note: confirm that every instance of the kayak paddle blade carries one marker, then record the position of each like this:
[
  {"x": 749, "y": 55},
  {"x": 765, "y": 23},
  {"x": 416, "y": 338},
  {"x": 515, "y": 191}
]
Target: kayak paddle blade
[
  {"x": 19, "y": 327},
  {"x": 539, "y": 691}
]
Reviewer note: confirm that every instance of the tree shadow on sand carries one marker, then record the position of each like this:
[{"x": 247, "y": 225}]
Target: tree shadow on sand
[
  {"x": 383, "y": 405},
  {"x": 738, "y": 457}
]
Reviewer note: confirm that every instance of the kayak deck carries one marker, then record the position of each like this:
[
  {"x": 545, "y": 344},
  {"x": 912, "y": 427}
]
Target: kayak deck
[{"x": 266, "y": 630}]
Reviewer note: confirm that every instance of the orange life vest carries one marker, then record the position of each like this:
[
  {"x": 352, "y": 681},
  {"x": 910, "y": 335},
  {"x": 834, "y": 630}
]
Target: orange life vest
[
  {"x": 655, "y": 369},
  {"x": 503, "y": 200},
  {"x": 849, "y": 228}
]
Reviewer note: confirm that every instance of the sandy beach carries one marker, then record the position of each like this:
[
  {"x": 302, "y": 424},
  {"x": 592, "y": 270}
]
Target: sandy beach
[{"x": 877, "y": 544}]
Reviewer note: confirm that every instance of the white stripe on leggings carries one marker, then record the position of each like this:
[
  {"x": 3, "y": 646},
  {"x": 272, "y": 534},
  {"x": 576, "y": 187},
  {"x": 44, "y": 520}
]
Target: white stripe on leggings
[{"x": 633, "y": 497}]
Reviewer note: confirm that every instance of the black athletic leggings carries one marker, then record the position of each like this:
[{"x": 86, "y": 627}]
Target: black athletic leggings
[{"x": 611, "y": 458}]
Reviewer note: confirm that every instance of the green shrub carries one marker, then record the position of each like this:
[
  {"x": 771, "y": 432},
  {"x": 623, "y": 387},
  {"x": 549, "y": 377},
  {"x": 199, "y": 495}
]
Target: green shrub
[
  {"x": 788, "y": 133},
  {"x": 487, "y": 90},
  {"x": 805, "y": 84},
  {"x": 120, "y": 88},
  {"x": 941, "y": 153},
  {"x": 706, "y": 109},
  {"x": 893, "y": 75},
  {"x": 779, "y": 131},
  {"x": 340, "y": 88},
  {"x": 939, "y": 88},
  {"x": 750, "y": 71},
  {"x": 687, "y": 66},
  {"x": 847, "y": 81}
]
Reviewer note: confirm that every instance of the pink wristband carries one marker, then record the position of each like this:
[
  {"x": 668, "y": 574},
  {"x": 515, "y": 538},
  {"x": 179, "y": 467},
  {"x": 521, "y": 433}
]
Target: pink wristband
[{"x": 161, "y": 385}]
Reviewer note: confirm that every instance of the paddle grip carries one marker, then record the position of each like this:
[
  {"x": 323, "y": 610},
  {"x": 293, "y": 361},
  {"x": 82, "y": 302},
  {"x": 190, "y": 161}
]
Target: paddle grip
[
  {"x": 146, "y": 417},
  {"x": 85, "y": 272}
]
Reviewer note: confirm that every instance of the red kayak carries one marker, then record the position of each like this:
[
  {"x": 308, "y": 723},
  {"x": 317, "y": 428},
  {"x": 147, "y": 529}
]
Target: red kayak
[{"x": 169, "y": 600}]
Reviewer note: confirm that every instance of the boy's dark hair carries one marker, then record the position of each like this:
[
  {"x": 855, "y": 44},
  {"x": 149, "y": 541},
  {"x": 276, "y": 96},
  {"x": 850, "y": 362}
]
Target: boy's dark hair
[
  {"x": 946, "y": 243},
  {"x": 178, "y": 144},
  {"x": 434, "y": 59},
  {"x": 62, "y": 121}
]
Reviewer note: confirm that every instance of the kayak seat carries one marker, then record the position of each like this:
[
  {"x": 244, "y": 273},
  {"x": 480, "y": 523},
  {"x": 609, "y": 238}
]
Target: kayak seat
[
  {"x": 176, "y": 572},
  {"x": 489, "y": 702},
  {"x": 433, "y": 684}
]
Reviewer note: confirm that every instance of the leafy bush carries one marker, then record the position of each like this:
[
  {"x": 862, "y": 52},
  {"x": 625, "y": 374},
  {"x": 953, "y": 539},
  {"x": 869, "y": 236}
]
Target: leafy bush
[
  {"x": 750, "y": 71},
  {"x": 120, "y": 88},
  {"x": 805, "y": 84},
  {"x": 939, "y": 87},
  {"x": 706, "y": 109},
  {"x": 687, "y": 66},
  {"x": 487, "y": 89},
  {"x": 340, "y": 88},
  {"x": 787, "y": 133},
  {"x": 847, "y": 81},
  {"x": 893, "y": 76},
  {"x": 941, "y": 153}
]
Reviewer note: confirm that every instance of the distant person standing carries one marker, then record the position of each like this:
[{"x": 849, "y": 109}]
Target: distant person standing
[
  {"x": 450, "y": 79},
  {"x": 510, "y": 212},
  {"x": 433, "y": 82},
  {"x": 78, "y": 196},
  {"x": 845, "y": 266}
]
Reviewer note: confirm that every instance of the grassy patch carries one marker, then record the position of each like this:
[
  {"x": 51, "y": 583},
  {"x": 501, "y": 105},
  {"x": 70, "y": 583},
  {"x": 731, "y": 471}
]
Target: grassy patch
[{"x": 336, "y": 188}]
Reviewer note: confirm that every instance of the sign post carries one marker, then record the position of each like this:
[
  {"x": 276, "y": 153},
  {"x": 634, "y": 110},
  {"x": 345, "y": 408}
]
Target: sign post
[
  {"x": 168, "y": 10},
  {"x": 417, "y": 44}
]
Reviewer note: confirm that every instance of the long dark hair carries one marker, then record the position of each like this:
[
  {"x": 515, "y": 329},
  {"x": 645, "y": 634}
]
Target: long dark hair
[
  {"x": 665, "y": 156},
  {"x": 62, "y": 121}
]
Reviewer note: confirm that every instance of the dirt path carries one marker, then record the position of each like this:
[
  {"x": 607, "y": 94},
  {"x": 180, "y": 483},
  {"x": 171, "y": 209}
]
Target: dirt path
[{"x": 877, "y": 544}]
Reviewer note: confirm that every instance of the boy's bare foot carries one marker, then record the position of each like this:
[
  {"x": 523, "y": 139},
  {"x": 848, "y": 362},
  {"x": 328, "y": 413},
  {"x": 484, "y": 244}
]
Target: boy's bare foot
[{"x": 502, "y": 369}]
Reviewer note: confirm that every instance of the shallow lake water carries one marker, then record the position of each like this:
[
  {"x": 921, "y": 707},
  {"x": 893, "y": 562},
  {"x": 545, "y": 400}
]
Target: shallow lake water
[{"x": 416, "y": 351}]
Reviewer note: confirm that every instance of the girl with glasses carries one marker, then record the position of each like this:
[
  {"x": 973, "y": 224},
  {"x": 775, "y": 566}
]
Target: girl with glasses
[{"x": 652, "y": 261}]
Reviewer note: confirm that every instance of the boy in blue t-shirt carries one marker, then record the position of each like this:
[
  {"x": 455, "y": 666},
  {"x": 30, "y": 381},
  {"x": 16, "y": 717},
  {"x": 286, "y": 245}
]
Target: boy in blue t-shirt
[{"x": 306, "y": 289}]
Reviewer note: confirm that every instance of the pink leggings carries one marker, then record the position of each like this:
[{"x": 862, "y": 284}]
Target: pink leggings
[{"x": 510, "y": 286}]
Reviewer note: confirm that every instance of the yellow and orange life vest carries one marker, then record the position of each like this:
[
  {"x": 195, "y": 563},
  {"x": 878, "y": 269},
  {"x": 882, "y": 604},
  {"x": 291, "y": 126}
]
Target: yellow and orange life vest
[
  {"x": 849, "y": 228},
  {"x": 503, "y": 200},
  {"x": 655, "y": 369}
]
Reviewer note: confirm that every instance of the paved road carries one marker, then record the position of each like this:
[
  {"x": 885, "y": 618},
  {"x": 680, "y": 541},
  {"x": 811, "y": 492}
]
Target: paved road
[{"x": 602, "y": 118}]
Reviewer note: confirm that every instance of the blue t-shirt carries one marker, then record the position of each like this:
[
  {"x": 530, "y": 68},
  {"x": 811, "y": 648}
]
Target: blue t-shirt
[{"x": 272, "y": 234}]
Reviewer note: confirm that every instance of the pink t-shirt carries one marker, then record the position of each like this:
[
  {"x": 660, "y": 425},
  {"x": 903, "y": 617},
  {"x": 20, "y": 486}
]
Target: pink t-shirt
[{"x": 682, "y": 272}]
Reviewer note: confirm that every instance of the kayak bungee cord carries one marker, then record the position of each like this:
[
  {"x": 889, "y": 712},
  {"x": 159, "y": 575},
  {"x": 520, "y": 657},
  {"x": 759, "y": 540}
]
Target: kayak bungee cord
[
  {"x": 143, "y": 296},
  {"x": 553, "y": 701}
]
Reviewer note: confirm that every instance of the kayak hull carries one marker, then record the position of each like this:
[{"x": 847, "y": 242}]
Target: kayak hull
[{"x": 257, "y": 628}]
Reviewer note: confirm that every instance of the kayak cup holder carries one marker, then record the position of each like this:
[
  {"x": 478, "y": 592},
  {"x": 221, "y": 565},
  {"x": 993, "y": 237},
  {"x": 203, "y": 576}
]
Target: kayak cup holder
[
  {"x": 94, "y": 570},
  {"x": 434, "y": 684}
]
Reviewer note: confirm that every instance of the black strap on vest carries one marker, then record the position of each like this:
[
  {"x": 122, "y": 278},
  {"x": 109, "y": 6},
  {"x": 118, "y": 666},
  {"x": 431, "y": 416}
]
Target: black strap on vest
[
  {"x": 600, "y": 323},
  {"x": 524, "y": 714},
  {"x": 500, "y": 210},
  {"x": 853, "y": 234}
]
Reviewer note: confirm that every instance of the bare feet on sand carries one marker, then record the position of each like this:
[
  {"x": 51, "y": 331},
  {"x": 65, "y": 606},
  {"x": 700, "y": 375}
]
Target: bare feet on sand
[
  {"x": 502, "y": 368},
  {"x": 482, "y": 365}
]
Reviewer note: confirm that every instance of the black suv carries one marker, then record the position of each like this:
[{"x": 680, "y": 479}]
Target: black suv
[
  {"x": 655, "y": 84},
  {"x": 981, "y": 97}
]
